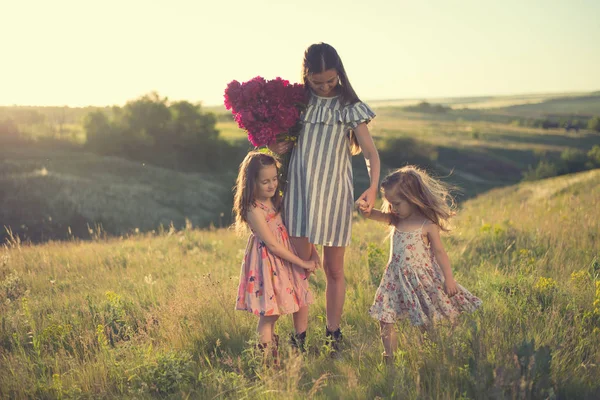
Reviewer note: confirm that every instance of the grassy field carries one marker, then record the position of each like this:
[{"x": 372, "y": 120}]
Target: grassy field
[{"x": 152, "y": 315}]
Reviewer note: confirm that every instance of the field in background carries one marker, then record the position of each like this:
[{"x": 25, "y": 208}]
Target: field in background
[{"x": 52, "y": 188}]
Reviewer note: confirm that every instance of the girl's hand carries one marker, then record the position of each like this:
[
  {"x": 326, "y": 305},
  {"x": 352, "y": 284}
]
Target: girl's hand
[
  {"x": 362, "y": 207},
  {"x": 450, "y": 287},
  {"x": 281, "y": 147},
  {"x": 310, "y": 265},
  {"x": 368, "y": 197}
]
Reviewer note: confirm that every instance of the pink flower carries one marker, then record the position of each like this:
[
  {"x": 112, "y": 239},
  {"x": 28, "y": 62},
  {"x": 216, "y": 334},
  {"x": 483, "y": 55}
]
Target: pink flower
[{"x": 265, "y": 108}]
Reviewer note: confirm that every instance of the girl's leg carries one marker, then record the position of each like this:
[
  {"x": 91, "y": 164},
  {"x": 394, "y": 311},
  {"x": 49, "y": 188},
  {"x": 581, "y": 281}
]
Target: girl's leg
[
  {"x": 301, "y": 320},
  {"x": 267, "y": 338},
  {"x": 266, "y": 328},
  {"x": 389, "y": 340},
  {"x": 298, "y": 338},
  {"x": 333, "y": 264}
]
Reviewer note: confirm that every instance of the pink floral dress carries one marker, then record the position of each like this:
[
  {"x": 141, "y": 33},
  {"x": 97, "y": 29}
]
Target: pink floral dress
[
  {"x": 270, "y": 285},
  {"x": 412, "y": 285}
]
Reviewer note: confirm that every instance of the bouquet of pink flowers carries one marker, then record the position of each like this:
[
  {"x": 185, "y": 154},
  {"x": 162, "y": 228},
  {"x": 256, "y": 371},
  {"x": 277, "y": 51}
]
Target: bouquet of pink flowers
[{"x": 269, "y": 110}]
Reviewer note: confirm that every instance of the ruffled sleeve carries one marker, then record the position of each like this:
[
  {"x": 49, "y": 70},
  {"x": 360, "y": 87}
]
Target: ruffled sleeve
[
  {"x": 357, "y": 114},
  {"x": 350, "y": 115}
]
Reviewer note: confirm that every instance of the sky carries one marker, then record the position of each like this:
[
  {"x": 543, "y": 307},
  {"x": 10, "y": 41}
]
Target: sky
[{"x": 90, "y": 52}]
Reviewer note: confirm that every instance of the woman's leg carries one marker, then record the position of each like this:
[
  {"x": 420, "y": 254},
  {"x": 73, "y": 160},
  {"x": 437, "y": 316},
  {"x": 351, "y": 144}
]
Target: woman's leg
[
  {"x": 333, "y": 264},
  {"x": 303, "y": 248}
]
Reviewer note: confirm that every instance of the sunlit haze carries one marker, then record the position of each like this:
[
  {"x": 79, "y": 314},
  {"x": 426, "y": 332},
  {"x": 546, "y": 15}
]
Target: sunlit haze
[{"x": 78, "y": 53}]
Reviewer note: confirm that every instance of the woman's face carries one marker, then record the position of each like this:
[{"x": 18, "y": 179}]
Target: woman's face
[{"x": 324, "y": 83}]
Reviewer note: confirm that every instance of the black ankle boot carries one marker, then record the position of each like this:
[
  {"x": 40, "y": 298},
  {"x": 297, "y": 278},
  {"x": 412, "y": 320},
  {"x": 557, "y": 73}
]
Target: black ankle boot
[
  {"x": 333, "y": 339},
  {"x": 297, "y": 341}
]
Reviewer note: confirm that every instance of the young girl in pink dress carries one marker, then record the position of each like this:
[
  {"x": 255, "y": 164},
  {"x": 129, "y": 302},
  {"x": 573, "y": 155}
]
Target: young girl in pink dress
[
  {"x": 417, "y": 283},
  {"x": 273, "y": 279}
]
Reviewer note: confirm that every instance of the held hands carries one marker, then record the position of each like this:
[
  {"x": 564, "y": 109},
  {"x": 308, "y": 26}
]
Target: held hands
[
  {"x": 450, "y": 287},
  {"x": 368, "y": 197},
  {"x": 314, "y": 262},
  {"x": 310, "y": 265},
  {"x": 362, "y": 207}
]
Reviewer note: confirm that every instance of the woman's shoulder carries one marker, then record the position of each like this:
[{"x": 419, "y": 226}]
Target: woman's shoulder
[
  {"x": 360, "y": 107},
  {"x": 332, "y": 111}
]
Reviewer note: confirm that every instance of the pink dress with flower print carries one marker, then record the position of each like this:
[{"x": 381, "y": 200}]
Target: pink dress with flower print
[
  {"x": 270, "y": 285},
  {"x": 412, "y": 285}
]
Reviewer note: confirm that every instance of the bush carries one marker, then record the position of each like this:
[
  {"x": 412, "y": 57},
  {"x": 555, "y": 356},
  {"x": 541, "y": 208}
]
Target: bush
[
  {"x": 171, "y": 372},
  {"x": 594, "y": 157},
  {"x": 150, "y": 129},
  {"x": 544, "y": 169},
  {"x": 9, "y": 132},
  {"x": 574, "y": 160},
  {"x": 594, "y": 124}
]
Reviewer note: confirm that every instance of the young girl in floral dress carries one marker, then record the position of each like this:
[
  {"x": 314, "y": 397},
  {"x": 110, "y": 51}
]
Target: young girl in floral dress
[{"x": 417, "y": 283}]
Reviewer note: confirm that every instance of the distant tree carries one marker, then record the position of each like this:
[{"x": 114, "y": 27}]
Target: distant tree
[
  {"x": 544, "y": 169},
  {"x": 594, "y": 156},
  {"x": 594, "y": 124},
  {"x": 175, "y": 135},
  {"x": 100, "y": 135},
  {"x": 425, "y": 107},
  {"x": 9, "y": 131},
  {"x": 574, "y": 160}
]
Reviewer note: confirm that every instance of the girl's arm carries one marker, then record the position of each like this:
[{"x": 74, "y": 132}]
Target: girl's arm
[
  {"x": 261, "y": 229},
  {"x": 365, "y": 141},
  {"x": 435, "y": 241},
  {"x": 373, "y": 214}
]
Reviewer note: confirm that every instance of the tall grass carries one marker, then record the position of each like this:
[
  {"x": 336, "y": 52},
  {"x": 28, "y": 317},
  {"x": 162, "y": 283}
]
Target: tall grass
[{"x": 152, "y": 315}]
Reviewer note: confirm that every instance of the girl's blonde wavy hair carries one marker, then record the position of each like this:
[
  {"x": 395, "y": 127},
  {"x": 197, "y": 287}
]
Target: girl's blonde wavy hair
[
  {"x": 245, "y": 186},
  {"x": 430, "y": 196}
]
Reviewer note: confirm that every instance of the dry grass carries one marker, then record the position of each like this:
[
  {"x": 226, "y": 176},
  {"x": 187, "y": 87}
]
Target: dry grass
[{"x": 152, "y": 315}]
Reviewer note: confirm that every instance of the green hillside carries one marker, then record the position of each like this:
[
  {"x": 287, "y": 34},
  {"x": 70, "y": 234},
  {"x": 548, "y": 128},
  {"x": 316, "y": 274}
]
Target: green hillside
[
  {"x": 151, "y": 316},
  {"x": 45, "y": 191}
]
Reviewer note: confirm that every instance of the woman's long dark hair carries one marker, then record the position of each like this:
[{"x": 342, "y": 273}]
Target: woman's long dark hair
[{"x": 321, "y": 57}]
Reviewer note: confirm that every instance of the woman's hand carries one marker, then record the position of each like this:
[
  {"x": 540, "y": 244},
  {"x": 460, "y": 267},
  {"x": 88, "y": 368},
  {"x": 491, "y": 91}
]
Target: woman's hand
[
  {"x": 368, "y": 197},
  {"x": 281, "y": 147}
]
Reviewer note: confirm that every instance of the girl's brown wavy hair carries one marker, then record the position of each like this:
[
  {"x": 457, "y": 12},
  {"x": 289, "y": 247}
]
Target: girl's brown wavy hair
[
  {"x": 245, "y": 186},
  {"x": 430, "y": 196}
]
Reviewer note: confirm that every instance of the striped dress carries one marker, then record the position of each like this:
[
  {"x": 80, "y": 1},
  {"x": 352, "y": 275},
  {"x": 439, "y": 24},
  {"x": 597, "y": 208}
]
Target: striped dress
[{"x": 319, "y": 196}]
